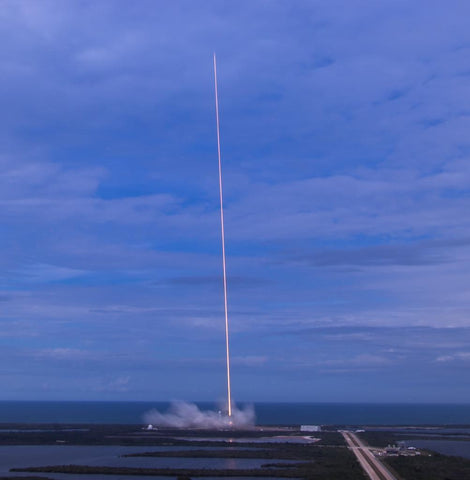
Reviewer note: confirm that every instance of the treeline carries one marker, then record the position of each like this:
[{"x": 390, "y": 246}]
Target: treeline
[{"x": 433, "y": 467}]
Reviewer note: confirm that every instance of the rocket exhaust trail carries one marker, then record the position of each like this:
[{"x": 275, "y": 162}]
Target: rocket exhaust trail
[{"x": 229, "y": 397}]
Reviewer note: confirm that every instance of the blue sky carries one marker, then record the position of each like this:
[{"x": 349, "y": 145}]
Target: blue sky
[{"x": 345, "y": 151}]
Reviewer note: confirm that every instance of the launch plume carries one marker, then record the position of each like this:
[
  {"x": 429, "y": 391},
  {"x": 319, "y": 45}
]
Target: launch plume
[
  {"x": 188, "y": 415},
  {"x": 222, "y": 228}
]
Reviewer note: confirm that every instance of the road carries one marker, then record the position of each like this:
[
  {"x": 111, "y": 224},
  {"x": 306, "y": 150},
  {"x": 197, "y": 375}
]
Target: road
[{"x": 372, "y": 466}]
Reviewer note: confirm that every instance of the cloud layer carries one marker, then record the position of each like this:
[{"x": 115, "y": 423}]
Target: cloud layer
[{"x": 346, "y": 168}]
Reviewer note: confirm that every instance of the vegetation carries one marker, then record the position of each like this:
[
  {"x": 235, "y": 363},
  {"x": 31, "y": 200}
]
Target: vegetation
[
  {"x": 422, "y": 467},
  {"x": 433, "y": 467},
  {"x": 382, "y": 439},
  {"x": 26, "y": 478},
  {"x": 328, "y": 463},
  {"x": 327, "y": 459},
  {"x": 379, "y": 439},
  {"x": 200, "y": 472},
  {"x": 133, "y": 435},
  {"x": 282, "y": 452}
]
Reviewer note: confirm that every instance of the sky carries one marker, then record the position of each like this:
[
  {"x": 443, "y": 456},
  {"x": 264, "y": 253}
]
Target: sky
[{"x": 346, "y": 163}]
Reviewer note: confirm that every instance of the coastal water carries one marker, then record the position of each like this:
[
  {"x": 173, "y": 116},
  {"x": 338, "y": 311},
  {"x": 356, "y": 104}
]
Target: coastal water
[
  {"x": 446, "y": 447},
  {"x": 111, "y": 456},
  {"x": 19, "y": 456},
  {"x": 266, "y": 413}
]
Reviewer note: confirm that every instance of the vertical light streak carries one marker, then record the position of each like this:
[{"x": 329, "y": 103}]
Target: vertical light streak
[{"x": 229, "y": 396}]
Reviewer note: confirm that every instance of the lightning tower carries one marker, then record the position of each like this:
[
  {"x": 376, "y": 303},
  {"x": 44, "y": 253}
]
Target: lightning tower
[{"x": 229, "y": 397}]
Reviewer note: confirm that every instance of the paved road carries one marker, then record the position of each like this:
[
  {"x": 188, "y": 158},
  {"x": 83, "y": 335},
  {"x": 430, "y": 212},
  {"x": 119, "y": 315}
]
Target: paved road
[{"x": 372, "y": 466}]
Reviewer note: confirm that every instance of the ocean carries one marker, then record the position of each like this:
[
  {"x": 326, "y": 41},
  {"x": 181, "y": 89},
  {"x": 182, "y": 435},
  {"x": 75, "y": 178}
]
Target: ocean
[{"x": 266, "y": 413}]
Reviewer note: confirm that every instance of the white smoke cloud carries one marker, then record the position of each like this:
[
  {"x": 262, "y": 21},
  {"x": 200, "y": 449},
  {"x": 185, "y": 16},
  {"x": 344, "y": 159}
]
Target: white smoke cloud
[{"x": 188, "y": 415}]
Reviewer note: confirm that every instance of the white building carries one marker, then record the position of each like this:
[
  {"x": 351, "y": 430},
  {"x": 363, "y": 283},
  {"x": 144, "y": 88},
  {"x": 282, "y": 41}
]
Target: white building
[{"x": 310, "y": 428}]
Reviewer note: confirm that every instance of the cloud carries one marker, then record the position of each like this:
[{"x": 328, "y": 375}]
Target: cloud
[
  {"x": 348, "y": 363},
  {"x": 346, "y": 179},
  {"x": 65, "y": 353},
  {"x": 48, "y": 273},
  {"x": 421, "y": 253},
  {"x": 233, "y": 280},
  {"x": 249, "y": 361},
  {"x": 116, "y": 385},
  {"x": 359, "y": 361},
  {"x": 456, "y": 357}
]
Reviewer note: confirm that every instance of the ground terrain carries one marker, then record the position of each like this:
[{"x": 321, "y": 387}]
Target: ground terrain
[{"x": 328, "y": 457}]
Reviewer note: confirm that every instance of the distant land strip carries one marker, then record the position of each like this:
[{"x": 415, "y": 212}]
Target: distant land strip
[
  {"x": 191, "y": 472},
  {"x": 281, "y": 453}
]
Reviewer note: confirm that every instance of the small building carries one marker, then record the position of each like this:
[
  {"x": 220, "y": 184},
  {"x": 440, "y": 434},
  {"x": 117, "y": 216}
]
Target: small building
[
  {"x": 392, "y": 450},
  {"x": 310, "y": 428}
]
